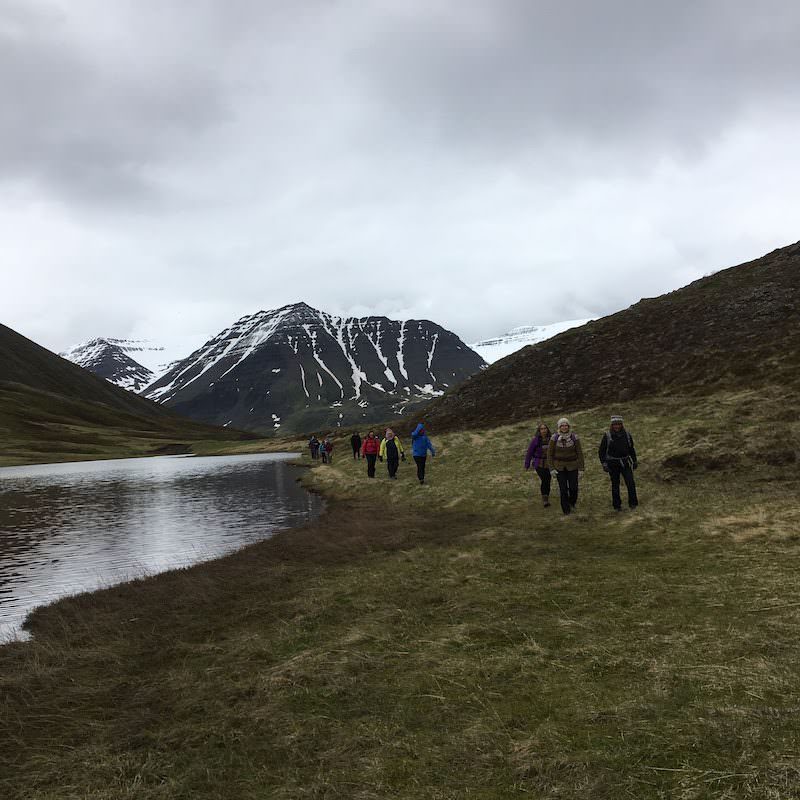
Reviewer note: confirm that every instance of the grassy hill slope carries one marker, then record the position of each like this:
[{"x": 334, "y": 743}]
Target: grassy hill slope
[
  {"x": 736, "y": 328},
  {"x": 52, "y": 410},
  {"x": 451, "y": 641}
]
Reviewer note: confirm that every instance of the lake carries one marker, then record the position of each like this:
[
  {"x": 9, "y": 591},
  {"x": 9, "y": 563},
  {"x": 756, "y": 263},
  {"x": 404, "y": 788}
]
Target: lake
[{"x": 70, "y": 528}]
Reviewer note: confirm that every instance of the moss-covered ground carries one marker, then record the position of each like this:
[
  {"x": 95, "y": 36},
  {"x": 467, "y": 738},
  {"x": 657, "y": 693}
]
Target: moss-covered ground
[{"x": 455, "y": 640}]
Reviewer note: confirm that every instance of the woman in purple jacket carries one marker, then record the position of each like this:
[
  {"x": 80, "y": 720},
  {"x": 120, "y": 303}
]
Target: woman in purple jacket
[{"x": 537, "y": 456}]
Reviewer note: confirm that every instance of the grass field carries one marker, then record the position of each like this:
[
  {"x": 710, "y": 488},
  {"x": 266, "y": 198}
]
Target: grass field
[{"x": 454, "y": 640}]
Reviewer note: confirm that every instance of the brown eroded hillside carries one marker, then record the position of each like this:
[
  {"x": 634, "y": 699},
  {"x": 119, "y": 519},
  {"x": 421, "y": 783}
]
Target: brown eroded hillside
[{"x": 736, "y": 328}]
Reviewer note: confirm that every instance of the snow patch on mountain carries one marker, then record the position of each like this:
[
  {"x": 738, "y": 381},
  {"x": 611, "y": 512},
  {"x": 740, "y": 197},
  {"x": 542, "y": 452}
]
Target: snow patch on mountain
[{"x": 492, "y": 350}]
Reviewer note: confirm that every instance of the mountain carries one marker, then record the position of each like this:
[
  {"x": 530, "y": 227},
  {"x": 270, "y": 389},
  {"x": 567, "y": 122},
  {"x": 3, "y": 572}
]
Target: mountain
[
  {"x": 737, "y": 327},
  {"x": 296, "y": 368},
  {"x": 491, "y": 350},
  {"x": 53, "y": 409},
  {"x": 109, "y": 359}
]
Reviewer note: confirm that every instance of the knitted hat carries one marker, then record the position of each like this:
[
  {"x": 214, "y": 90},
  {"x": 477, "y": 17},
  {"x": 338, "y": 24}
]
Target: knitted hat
[
  {"x": 563, "y": 421},
  {"x": 616, "y": 418}
]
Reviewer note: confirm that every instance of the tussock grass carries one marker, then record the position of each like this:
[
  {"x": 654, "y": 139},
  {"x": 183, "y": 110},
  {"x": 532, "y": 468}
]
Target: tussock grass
[{"x": 448, "y": 641}]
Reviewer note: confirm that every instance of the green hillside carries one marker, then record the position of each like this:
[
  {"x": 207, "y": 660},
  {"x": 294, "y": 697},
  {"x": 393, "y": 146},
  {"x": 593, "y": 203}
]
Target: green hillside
[{"x": 52, "y": 410}]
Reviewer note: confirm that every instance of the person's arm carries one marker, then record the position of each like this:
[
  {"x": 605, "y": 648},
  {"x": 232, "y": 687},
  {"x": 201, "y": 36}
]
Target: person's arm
[
  {"x": 382, "y": 452},
  {"x": 529, "y": 455},
  {"x": 634, "y": 459},
  {"x": 579, "y": 451},
  {"x": 430, "y": 447},
  {"x": 603, "y": 450},
  {"x": 551, "y": 453}
]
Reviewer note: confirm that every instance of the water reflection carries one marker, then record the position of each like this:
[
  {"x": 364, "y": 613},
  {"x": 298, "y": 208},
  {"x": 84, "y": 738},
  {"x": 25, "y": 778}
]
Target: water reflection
[{"x": 67, "y": 528}]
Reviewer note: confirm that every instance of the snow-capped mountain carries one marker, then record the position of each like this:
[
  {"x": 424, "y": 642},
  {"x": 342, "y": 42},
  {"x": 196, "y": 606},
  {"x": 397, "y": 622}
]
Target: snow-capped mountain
[
  {"x": 111, "y": 359},
  {"x": 297, "y": 368},
  {"x": 492, "y": 350}
]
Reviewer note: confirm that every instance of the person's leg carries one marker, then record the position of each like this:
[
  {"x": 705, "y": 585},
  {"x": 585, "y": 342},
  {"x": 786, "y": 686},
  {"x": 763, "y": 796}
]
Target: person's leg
[
  {"x": 630, "y": 484},
  {"x": 563, "y": 487},
  {"x": 545, "y": 478},
  {"x": 371, "y": 459},
  {"x": 572, "y": 477},
  {"x": 613, "y": 473},
  {"x": 392, "y": 464},
  {"x": 420, "y": 462}
]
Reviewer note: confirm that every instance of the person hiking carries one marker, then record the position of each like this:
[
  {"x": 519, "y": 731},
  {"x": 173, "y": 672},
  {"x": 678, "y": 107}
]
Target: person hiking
[
  {"x": 355, "y": 441},
  {"x": 420, "y": 445},
  {"x": 536, "y": 457},
  {"x": 618, "y": 457},
  {"x": 327, "y": 451},
  {"x": 370, "y": 450},
  {"x": 392, "y": 451},
  {"x": 565, "y": 457},
  {"x": 313, "y": 446}
]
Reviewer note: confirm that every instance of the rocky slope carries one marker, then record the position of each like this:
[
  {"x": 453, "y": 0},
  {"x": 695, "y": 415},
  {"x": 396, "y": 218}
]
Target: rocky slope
[
  {"x": 737, "y": 327},
  {"x": 297, "y": 368}
]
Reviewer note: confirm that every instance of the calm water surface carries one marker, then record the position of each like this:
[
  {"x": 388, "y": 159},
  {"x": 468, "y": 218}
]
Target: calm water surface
[{"x": 69, "y": 528}]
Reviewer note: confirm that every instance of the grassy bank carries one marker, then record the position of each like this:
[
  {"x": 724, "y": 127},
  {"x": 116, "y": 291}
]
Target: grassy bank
[{"x": 451, "y": 641}]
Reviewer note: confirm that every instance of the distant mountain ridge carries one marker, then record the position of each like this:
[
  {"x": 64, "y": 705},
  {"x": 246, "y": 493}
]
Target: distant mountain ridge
[
  {"x": 739, "y": 327},
  {"x": 110, "y": 359},
  {"x": 298, "y": 368},
  {"x": 491, "y": 350}
]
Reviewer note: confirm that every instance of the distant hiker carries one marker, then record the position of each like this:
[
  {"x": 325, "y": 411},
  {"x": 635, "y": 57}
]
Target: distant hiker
[
  {"x": 327, "y": 451},
  {"x": 420, "y": 445},
  {"x": 370, "y": 450},
  {"x": 392, "y": 450},
  {"x": 536, "y": 457},
  {"x": 313, "y": 446},
  {"x": 565, "y": 456},
  {"x": 355, "y": 441},
  {"x": 618, "y": 457}
]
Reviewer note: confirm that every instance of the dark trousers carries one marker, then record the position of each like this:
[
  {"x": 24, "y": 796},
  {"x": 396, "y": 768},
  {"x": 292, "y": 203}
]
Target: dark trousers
[
  {"x": 356, "y": 453},
  {"x": 615, "y": 470},
  {"x": 392, "y": 463},
  {"x": 323, "y": 456},
  {"x": 544, "y": 475},
  {"x": 568, "y": 485},
  {"x": 421, "y": 460},
  {"x": 371, "y": 459}
]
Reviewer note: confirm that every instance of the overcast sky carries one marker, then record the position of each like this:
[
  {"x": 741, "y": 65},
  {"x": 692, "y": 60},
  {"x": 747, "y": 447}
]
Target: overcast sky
[{"x": 167, "y": 166}]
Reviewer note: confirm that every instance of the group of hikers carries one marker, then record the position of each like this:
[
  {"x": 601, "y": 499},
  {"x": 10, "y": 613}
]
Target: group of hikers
[
  {"x": 321, "y": 449},
  {"x": 389, "y": 449},
  {"x": 561, "y": 454}
]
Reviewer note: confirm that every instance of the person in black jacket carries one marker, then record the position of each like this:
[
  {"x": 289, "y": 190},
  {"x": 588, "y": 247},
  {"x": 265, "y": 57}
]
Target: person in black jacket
[
  {"x": 355, "y": 441},
  {"x": 618, "y": 457}
]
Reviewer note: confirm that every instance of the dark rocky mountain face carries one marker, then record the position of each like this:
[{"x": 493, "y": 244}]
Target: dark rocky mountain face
[
  {"x": 296, "y": 369},
  {"x": 109, "y": 359},
  {"x": 738, "y": 327}
]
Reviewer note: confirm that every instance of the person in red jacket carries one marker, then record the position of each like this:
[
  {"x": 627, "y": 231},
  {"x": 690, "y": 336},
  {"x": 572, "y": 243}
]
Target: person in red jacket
[{"x": 370, "y": 450}]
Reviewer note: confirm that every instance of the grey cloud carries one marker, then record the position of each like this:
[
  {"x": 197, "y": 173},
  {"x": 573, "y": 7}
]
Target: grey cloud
[{"x": 519, "y": 76}]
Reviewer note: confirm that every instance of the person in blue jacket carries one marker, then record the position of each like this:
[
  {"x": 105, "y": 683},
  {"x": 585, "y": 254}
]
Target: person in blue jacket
[{"x": 420, "y": 444}]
